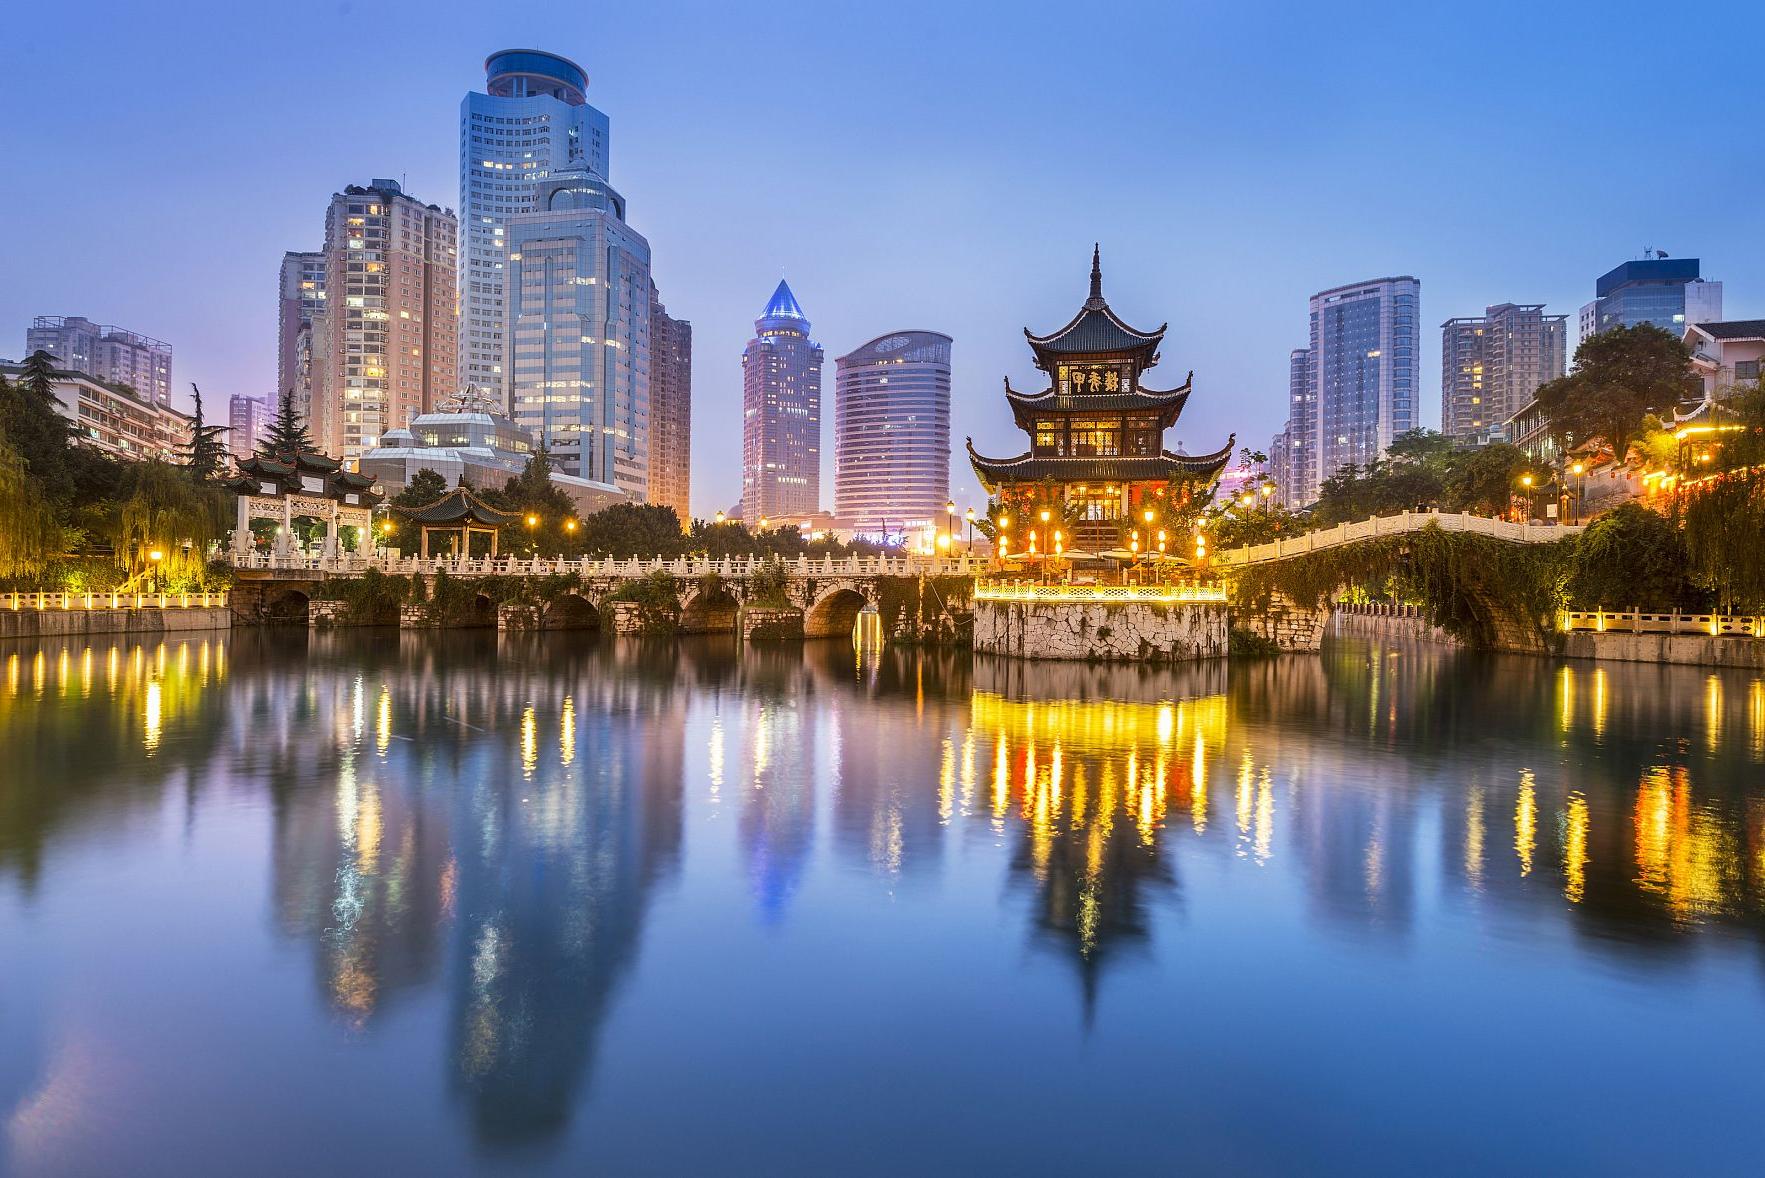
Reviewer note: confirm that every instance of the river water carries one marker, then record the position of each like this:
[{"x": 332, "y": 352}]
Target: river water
[{"x": 401, "y": 904}]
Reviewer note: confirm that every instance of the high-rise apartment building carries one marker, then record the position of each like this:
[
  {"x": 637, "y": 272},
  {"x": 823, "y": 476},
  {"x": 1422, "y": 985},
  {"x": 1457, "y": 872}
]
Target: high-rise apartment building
[
  {"x": 578, "y": 291},
  {"x": 671, "y": 409},
  {"x": 1364, "y": 345},
  {"x": 105, "y": 353},
  {"x": 531, "y": 119},
  {"x": 390, "y": 324},
  {"x": 247, "y": 418},
  {"x": 1666, "y": 292},
  {"x": 300, "y": 311},
  {"x": 891, "y": 432},
  {"x": 1492, "y": 364},
  {"x": 781, "y": 413},
  {"x": 1293, "y": 454}
]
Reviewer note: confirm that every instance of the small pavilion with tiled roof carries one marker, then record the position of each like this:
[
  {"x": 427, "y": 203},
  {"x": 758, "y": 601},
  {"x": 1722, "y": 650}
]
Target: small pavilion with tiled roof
[
  {"x": 461, "y": 514},
  {"x": 1097, "y": 436},
  {"x": 287, "y": 486}
]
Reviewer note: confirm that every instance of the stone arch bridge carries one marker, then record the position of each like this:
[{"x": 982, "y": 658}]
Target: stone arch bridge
[
  {"x": 1490, "y": 616},
  {"x": 818, "y": 598}
]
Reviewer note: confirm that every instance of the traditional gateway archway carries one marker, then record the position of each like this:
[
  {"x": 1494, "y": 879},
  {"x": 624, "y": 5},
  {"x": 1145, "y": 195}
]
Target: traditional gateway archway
[
  {"x": 834, "y": 615},
  {"x": 288, "y": 485}
]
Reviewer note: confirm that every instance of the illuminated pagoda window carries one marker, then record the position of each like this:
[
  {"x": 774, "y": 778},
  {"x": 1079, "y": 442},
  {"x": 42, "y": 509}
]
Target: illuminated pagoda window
[{"x": 1096, "y": 436}]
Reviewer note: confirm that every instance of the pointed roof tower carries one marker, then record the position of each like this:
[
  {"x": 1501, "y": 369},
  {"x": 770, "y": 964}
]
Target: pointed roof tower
[
  {"x": 783, "y": 311},
  {"x": 1096, "y": 331}
]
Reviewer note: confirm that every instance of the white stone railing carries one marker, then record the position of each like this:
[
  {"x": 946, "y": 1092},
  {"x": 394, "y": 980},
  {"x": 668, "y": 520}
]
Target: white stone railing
[
  {"x": 45, "y": 602},
  {"x": 1639, "y": 622},
  {"x": 1395, "y": 525},
  {"x": 627, "y": 568},
  {"x": 1097, "y": 594}
]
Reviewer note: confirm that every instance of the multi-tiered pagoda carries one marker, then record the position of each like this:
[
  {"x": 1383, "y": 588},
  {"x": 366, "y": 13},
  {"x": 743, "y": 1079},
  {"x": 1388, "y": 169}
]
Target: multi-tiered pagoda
[{"x": 1097, "y": 458}]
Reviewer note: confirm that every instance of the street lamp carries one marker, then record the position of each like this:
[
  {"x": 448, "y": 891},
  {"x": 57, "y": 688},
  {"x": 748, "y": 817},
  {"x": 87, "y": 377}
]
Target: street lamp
[
  {"x": 969, "y": 516},
  {"x": 719, "y": 515},
  {"x": 1580, "y": 469},
  {"x": 154, "y": 557}
]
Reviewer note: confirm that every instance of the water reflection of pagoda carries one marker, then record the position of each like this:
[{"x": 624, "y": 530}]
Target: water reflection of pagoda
[{"x": 1097, "y": 435}]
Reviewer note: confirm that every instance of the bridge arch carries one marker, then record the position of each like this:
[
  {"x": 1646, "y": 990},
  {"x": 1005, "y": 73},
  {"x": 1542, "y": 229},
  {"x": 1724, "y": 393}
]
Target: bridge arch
[
  {"x": 834, "y": 614},
  {"x": 709, "y": 609},
  {"x": 286, "y": 606},
  {"x": 572, "y": 611}
]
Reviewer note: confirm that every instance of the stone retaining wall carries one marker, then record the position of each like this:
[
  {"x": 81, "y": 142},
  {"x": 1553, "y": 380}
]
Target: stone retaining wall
[
  {"x": 1135, "y": 631},
  {"x": 1388, "y": 625},
  {"x": 1291, "y": 627},
  {"x": 60, "y": 623},
  {"x": 1702, "y": 650}
]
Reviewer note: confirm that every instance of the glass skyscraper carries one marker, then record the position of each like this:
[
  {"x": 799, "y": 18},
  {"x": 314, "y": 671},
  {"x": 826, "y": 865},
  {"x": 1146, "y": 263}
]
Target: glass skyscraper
[
  {"x": 1364, "y": 344},
  {"x": 531, "y": 119},
  {"x": 578, "y": 287},
  {"x": 1666, "y": 292},
  {"x": 891, "y": 433}
]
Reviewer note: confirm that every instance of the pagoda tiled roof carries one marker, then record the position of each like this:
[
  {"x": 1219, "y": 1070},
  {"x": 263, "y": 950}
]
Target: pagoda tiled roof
[
  {"x": 1167, "y": 403},
  {"x": 459, "y": 506},
  {"x": 1096, "y": 331},
  {"x": 1030, "y": 467}
]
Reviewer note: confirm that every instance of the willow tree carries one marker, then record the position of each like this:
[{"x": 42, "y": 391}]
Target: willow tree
[
  {"x": 162, "y": 509},
  {"x": 28, "y": 535}
]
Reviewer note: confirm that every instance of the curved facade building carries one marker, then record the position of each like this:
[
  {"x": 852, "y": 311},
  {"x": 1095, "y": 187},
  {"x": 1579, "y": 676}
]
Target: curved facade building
[
  {"x": 892, "y": 432},
  {"x": 531, "y": 120}
]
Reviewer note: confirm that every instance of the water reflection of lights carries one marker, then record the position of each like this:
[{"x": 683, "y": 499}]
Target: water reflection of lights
[
  {"x": 1685, "y": 853},
  {"x": 567, "y": 731},
  {"x": 150, "y": 724},
  {"x": 529, "y": 741},
  {"x": 1575, "y": 848},
  {"x": 1474, "y": 833},
  {"x": 1526, "y": 821},
  {"x": 714, "y": 757},
  {"x": 383, "y": 720}
]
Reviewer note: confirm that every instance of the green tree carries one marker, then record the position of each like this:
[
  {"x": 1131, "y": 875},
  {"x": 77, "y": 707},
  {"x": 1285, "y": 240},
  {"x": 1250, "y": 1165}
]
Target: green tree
[
  {"x": 28, "y": 535},
  {"x": 1630, "y": 558},
  {"x": 1482, "y": 481},
  {"x": 633, "y": 529},
  {"x": 206, "y": 456},
  {"x": 42, "y": 437},
  {"x": 287, "y": 434},
  {"x": 533, "y": 494},
  {"x": 1620, "y": 376},
  {"x": 426, "y": 486},
  {"x": 164, "y": 510}
]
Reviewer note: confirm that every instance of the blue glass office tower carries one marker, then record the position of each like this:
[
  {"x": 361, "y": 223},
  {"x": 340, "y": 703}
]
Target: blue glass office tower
[
  {"x": 532, "y": 119},
  {"x": 1364, "y": 343},
  {"x": 1667, "y": 292}
]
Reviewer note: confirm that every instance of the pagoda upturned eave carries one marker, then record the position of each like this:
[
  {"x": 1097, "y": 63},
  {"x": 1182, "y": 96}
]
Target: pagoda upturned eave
[
  {"x": 1166, "y": 403},
  {"x": 1164, "y": 466}
]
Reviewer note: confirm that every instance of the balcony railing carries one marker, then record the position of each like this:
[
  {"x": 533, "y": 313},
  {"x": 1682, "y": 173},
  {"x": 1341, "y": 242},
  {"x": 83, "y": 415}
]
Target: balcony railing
[
  {"x": 46, "y": 602},
  {"x": 1639, "y": 622}
]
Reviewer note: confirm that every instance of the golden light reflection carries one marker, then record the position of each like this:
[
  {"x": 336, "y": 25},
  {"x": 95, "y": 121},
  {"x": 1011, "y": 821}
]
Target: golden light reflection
[
  {"x": 1756, "y": 718},
  {"x": 383, "y": 720},
  {"x": 1566, "y": 698},
  {"x": 1713, "y": 713},
  {"x": 1599, "y": 702},
  {"x": 567, "y": 731},
  {"x": 1526, "y": 821},
  {"x": 150, "y": 723},
  {"x": 714, "y": 757},
  {"x": 529, "y": 741},
  {"x": 1474, "y": 834},
  {"x": 1575, "y": 849},
  {"x": 1685, "y": 853},
  {"x": 947, "y": 783}
]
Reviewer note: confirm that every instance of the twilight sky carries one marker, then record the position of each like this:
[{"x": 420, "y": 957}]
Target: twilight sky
[{"x": 933, "y": 165}]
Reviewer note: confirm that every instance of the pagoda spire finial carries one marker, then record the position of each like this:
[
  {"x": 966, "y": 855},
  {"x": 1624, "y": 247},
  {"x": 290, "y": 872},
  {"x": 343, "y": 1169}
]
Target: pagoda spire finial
[{"x": 1096, "y": 299}]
